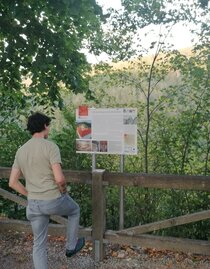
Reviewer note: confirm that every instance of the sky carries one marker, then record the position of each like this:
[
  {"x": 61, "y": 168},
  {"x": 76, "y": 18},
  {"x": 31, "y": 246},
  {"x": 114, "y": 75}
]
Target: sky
[
  {"x": 180, "y": 36},
  {"x": 107, "y": 3}
]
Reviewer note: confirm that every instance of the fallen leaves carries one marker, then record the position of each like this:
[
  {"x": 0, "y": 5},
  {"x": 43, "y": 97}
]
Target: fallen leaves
[{"x": 119, "y": 255}]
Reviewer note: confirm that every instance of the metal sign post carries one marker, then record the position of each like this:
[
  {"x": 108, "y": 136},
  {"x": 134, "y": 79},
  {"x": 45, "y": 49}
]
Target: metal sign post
[
  {"x": 121, "y": 219},
  {"x": 93, "y": 161}
]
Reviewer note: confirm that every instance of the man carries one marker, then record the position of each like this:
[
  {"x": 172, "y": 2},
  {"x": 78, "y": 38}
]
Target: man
[{"x": 39, "y": 161}]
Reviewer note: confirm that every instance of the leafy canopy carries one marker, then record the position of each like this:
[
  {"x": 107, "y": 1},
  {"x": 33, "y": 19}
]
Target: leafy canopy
[{"x": 42, "y": 40}]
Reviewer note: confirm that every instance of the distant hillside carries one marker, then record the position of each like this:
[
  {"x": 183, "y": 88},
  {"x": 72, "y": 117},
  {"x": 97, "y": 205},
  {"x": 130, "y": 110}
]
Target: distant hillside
[
  {"x": 121, "y": 91},
  {"x": 148, "y": 59}
]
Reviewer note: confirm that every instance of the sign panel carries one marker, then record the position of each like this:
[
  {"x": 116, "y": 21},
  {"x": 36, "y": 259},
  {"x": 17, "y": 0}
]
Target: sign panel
[{"x": 106, "y": 130}]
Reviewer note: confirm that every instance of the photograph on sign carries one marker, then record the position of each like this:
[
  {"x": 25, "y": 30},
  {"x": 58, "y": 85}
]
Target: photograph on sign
[
  {"x": 83, "y": 145},
  {"x": 83, "y": 128},
  {"x": 103, "y": 146}
]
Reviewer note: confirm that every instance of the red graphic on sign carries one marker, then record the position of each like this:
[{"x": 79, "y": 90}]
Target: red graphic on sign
[{"x": 83, "y": 110}]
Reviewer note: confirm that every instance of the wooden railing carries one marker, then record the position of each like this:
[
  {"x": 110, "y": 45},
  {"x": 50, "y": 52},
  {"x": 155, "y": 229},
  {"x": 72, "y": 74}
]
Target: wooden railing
[{"x": 99, "y": 180}]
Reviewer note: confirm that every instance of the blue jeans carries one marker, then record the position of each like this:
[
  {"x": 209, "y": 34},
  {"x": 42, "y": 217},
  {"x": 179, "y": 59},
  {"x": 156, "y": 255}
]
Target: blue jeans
[{"x": 38, "y": 213}]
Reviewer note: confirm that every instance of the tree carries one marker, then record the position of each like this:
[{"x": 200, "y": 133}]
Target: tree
[
  {"x": 204, "y": 3},
  {"x": 147, "y": 78},
  {"x": 42, "y": 40}
]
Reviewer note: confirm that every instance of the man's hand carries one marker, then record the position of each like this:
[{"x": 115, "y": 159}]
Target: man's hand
[
  {"x": 59, "y": 177},
  {"x": 62, "y": 188}
]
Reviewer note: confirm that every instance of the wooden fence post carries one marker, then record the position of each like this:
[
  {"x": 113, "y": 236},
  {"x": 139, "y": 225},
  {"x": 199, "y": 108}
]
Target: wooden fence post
[{"x": 98, "y": 214}]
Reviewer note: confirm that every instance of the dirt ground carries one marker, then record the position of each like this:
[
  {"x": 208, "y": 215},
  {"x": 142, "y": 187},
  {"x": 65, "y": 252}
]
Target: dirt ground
[{"x": 16, "y": 253}]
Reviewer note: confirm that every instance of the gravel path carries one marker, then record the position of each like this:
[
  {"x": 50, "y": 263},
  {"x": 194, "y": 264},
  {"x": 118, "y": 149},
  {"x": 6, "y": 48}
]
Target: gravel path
[{"x": 16, "y": 251}]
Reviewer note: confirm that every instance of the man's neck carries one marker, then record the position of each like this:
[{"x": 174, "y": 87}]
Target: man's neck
[{"x": 39, "y": 135}]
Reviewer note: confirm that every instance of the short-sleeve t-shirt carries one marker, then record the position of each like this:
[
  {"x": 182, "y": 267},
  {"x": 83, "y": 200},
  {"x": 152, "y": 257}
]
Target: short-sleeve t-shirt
[{"x": 34, "y": 159}]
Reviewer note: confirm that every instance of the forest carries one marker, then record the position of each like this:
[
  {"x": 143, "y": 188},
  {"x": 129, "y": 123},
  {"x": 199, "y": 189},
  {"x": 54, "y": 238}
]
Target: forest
[{"x": 44, "y": 67}]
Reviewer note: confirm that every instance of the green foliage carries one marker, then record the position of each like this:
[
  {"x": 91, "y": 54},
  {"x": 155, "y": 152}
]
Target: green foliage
[
  {"x": 144, "y": 201},
  {"x": 112, "y": 208},
  {"x": 8, "y": 208},
  {"x": 42, "y": 40},
  {"x": 186, "y": 202},
  {"x": 12, "y": 137},
  {"x": 203, "y": 3}
]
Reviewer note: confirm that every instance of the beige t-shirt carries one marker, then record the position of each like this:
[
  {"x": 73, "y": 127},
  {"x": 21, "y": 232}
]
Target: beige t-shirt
[{"x": 34, "y": 159}]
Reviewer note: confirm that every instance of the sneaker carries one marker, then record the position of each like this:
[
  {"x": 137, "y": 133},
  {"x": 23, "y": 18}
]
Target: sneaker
[{"x": 80, "y": 244}]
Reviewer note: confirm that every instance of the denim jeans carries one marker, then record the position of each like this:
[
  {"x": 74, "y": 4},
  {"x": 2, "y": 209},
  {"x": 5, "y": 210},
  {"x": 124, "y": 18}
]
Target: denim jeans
[{"x": 38, "y": 213}]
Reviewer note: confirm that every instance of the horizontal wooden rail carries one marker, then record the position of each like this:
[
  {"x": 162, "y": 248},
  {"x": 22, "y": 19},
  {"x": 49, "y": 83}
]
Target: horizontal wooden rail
[
  {"x": 4, "y": 172},
  {"x": 172, "y": 222},
  {"x": 182, "y": 182},
  {"x": 160, "y": 242},
  {"x": 157, "y": 181},
  {"x": 21, "y": 201},
  {"x": 83, "y": 177},
  {"x": 25, "y": 227}
]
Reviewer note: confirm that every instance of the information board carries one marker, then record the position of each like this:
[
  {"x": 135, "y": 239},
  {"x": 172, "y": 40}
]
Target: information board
[{"x": 106, "y": 130}]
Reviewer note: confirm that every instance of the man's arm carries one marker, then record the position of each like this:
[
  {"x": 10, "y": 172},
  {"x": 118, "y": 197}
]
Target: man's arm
[
  {"x": 59, "y": 177},
  {"x": 14, "y": 182}
]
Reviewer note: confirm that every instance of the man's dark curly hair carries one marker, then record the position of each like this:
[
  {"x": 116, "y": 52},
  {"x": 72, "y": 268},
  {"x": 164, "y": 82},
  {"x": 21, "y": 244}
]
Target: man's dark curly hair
[{"x": 36, "y": 122}]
